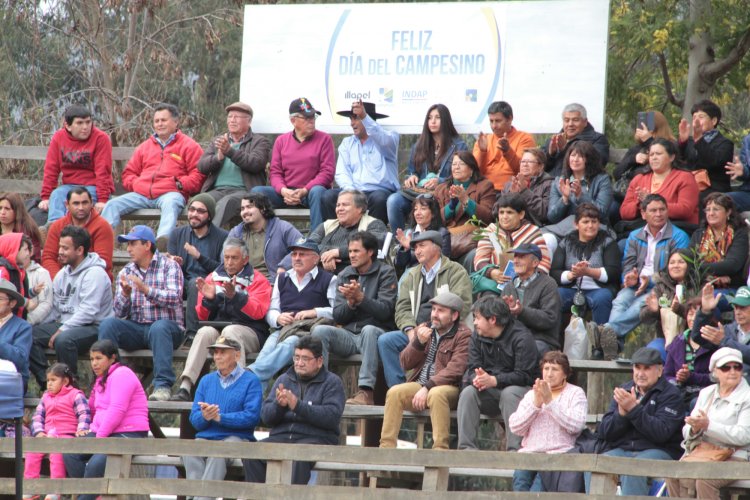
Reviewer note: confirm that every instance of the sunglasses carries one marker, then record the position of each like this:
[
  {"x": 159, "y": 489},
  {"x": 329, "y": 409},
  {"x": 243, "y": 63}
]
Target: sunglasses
[{"x": 733, "y": 366}]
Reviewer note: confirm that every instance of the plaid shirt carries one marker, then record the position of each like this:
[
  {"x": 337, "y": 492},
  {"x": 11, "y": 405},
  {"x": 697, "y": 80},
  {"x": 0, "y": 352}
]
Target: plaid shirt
[
  {"x": 80, "y": 407},
  {"x": 164, "y": 300}
]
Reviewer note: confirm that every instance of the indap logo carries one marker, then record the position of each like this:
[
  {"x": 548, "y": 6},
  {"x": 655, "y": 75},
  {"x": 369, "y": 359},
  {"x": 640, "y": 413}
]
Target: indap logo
[{"x": 356, "y": 96}]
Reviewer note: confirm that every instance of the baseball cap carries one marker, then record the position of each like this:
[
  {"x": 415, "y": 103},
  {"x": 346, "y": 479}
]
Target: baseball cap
[
  {"x": 144, "y": 233},
  {"x": 302, "y": 107}
]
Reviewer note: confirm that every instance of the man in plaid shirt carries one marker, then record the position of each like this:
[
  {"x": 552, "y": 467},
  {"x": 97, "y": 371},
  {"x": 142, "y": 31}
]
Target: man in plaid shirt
[{"x": 148, "y": 307}]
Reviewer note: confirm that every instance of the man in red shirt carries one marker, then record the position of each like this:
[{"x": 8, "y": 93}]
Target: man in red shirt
[{"x": 83, "y": 154}]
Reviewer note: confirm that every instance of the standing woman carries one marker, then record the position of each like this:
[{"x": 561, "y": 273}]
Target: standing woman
[
  {"x": 14, "y": 218},
  {"x": 429, "y": 162},
  {"x": 118, "y": 406},
  {"x": 721, "y": 418}
]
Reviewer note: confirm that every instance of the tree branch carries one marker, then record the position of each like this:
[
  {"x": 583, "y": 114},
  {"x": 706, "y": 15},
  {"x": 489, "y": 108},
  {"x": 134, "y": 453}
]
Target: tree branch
[
  {"x": 668, "y": 81},
  {"x": 715, "y": 70}
]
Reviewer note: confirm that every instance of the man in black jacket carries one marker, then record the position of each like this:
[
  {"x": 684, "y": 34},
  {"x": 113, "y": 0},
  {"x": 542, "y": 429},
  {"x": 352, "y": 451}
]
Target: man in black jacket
[
  {"x": 365, "y": 304},
  {"x": 503, "y": 364},
  {"x": 644, "y": 419},
  {"x": 576, "y": 127}
]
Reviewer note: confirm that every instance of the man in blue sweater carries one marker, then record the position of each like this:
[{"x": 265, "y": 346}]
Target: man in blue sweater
[{"x": 226, "y": 408}]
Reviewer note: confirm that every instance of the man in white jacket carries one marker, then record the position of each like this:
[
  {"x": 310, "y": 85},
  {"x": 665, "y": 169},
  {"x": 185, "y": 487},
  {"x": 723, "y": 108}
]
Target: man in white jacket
[{"x": 82, "y": 298}]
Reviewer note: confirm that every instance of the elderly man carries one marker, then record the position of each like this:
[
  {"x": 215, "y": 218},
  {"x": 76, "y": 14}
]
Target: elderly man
[
  {"x": 532, "y": 184},
  {"x": 148, "y": 307},
  {"x": 196, "y": 247},
  {"x": 234, "y": 163},
  {"x": 533, "y": 299},
  {"x": 368, "y": 162},
  {"x": 503, "y": 364},
  {"x": 15, "y": 333},
  {"x": 499, "y": 155},
  {"x": 226, "y": 408},
  {"x": 576, "y": 127},
  {"x": 333, "y": 235},
  {"x": 435, "y": 379},
  {"x": 304, "y": 406},
  {"x": 302, "y": 164},
  {"x": 162, "y": 173},
  {"x": 266, "y": 236},
  {"x": 301, "y": 298},
  {"x": 434, "y": 274},
  {"x": 364, "y": 306},
  {"x": 82, "y": 153},
  {"x": 644, "y": 419},
  {"x": 234, "y": 293}
]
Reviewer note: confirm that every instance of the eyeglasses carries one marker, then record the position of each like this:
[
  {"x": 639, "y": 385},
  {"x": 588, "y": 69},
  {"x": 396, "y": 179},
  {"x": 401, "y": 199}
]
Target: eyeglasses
[
  {"x": 529, "y": 162},
  {"x": 303, "y": 359},
  {"x": 733, "y": 366},
  {"x": 198, "y": 210},
  {"x": 306, "y": 118}
]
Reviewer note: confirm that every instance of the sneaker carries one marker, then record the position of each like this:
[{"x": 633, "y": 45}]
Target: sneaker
[
  {"x": 160, "y": 394},
  {"x": 363, "y": 397},
  {"x": 610, "y": 346},
  {"x": 181, "y": 395}
]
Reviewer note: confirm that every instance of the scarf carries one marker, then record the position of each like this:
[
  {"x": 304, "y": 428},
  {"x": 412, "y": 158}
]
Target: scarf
[{"x": 713, "y": 250}]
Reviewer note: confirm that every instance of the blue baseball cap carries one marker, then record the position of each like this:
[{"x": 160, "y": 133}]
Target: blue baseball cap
[
  {"x": 306, "y": 244},
  {"x": 527, "y": 249},
  {"x": 144, "y": 233}
]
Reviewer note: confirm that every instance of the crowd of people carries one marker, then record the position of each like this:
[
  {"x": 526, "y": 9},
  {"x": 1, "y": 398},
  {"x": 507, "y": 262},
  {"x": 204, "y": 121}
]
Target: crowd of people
[{"x": 514, "y": 235}]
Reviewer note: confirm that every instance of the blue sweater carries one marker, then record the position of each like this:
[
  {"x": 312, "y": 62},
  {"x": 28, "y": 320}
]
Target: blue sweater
[
  {"x": 239, "y": 407},
  {"x": 15, "y": 345}
]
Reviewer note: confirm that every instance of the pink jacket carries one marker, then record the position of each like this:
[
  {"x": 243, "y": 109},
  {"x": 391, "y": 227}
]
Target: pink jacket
[
  {"x": 121, "y": 406},
  {"x": 60, "y": 414}
]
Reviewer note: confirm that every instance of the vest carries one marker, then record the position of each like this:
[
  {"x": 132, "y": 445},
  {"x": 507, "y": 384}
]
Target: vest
[
  {"x": 314, "y": 294},
  {"x": 424, "y": 310},
  {"x": 60, "y": 411}
]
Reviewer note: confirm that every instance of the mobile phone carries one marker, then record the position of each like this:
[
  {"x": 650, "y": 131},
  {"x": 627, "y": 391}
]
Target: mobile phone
[
  {"x": 510, "y": 269},
  {"x": 646, "y": 117}
]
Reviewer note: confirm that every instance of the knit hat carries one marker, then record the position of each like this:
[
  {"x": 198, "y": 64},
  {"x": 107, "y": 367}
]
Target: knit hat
[{"x": 207, "y": 200}]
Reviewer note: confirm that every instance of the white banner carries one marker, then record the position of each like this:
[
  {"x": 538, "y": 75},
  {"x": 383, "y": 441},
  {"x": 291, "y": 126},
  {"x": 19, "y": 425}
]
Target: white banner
[{"x": 538, "y": 56}]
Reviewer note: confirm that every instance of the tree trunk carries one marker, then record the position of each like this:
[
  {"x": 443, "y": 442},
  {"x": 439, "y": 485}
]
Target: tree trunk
[{"x": 700, "y": 53}]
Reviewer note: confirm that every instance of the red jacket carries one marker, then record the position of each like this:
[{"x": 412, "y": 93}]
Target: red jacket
[
  {"x": 88, "y": 163},
  {"x": 679, "y": 189},
  {"x": 10, "y": 243},
  {"x": 102, "y": 242},
  {"x": 153, "y": 171}
]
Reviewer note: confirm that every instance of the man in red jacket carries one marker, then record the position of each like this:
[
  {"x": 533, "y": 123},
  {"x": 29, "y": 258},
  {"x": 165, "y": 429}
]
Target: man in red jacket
[
  {"x": 83, "y": 154},
  {"x": 162, "y": 173}
]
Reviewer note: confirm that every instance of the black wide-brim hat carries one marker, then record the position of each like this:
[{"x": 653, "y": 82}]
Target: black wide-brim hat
[{"x": 369, "y": 109}]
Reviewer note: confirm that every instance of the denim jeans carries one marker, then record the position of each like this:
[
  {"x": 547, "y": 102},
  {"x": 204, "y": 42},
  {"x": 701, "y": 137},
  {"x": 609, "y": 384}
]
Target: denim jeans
[
  {"x": 345, "y": 343},
  {"x": 632, "y": 485},
  {"x": 599, "y": 300},
  {"x": 170, "y": 204},
  {"x": 313, "y": 201},
  {"x": 376, "y": 203},
  {"x": 741, "y": 200},
  {"x": 68, "y": 345},
  {"x": 390, "y": 345},
  {"x": 162, "y": 337},
  {"x": 273, "y": 357},
  {"x": 398, "y": 209},
  {"x": 626, "y": 311},
  {"x": 59, "y": 196},
  {"x": 527, "y": 480}
]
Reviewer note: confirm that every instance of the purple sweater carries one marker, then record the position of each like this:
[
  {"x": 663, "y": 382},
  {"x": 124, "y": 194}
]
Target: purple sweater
[
  {"x": 302, "y": 164},
  {"x": 121, "y": 406},
  {"x": 700, "y": 376}
]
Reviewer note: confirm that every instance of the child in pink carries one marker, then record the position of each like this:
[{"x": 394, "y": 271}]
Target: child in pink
[{"x": 63, "y": 412}]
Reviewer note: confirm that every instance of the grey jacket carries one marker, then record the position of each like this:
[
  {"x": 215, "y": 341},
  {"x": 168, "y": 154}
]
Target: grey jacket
[
  {"x": 541, "y": 308},
  {"x": 82, "y": 296},
  {"x": 379, "y": 285}
]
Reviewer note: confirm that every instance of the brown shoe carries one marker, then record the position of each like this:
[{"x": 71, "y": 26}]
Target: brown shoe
[{"x": 363, "y": 397}]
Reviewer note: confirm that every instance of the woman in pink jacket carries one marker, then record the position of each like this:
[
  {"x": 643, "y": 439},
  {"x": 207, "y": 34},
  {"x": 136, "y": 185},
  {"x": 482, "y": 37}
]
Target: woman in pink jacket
[{"x": 118, "y": 406}]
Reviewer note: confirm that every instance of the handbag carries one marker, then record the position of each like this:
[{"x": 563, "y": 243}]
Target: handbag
[
  {"x": 707, "y": 452},
  {"x": 701, "y": 178},
  {"x": 480, "y": 283},
  {"x": 411, "y": 194},
  {"x": 462, "y": 240}
]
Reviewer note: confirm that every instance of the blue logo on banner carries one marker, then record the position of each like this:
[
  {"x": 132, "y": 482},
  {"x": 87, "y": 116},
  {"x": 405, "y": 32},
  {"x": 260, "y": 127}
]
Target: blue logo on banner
[
  {"x": 471, "y": 95},
  {"x": 386, "y": 94}
]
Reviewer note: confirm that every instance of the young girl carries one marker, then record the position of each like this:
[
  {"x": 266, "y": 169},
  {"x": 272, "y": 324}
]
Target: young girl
[{"x": 62, "y": 412}]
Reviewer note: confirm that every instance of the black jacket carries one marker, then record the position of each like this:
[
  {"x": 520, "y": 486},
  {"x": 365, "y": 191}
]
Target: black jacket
[
  {"x": 380, "y": 286},
  {"x": 599, "y": 141},
  {"x": 542, "y": 308},
  {"x": 733, "y": 262},
  {"x": 713, "y": 156},
  {"x": 655, "y": 423}
]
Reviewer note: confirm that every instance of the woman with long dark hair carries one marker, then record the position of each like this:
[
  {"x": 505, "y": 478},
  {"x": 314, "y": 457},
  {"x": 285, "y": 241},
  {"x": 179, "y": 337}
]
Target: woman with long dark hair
[{"x": 14, "y": 218}]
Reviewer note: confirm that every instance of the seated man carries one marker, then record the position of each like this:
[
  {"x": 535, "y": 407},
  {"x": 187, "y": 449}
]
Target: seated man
[
  {"x": 301, "y": 298},
  {"x": 81, "y": 213},
  {"x": 364, "y": 306},
  {"x": 82, "y": 299},
  {"x": 196, "y": 247},
  {"x": 332, "y": 236},
  {"x": 644, "y": 419},
  {"x": 226, "y": 408},
  {"x": 267, "y": 237},
  {"x": 148, "y": 307},
  {"x": 162, "y": 173},
  {"x": 302, "y": 163},
  {"x": 15, "y": 333},
  {"x": 304, "y": 406},
  {"x": 435, "y": 378},
  {"x": 82, "y": 153},
  {"x": 234, "y": 163},
  {"x": 646, "y": 253},
  {"x": 576, "y": 127},
  {"x": 533, "y": 298},
  {"x": 368, "y": 162},
  {"x": 235, "y": 293},
  {"x": 434, "y": 274},
  {"x": 503, "y": 364}
]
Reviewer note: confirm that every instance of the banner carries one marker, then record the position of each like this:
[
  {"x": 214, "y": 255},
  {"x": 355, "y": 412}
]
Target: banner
[{"x": 538, "y": 56}]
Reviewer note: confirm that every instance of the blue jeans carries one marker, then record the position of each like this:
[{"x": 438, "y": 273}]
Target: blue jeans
[
  {"x": 86, "y": 466},
  {"x": 626, "y": 311},
  {"x": 527, "y": 480},
  {"x": 632, "y": 485},
  {"x": 599, "y": 300},
  {"x": 741, "y": 200},
  {"x": 59, "y": 196},
  {"x": 390, "y": 345},
  {"x": 170, "y": 204},
  {"x": 313, "y": 201},
  {"x": 398, "y": 209},
  {"x": 162, "y": 337},
  {"x": 345, "y": 343},
  {"x": 273, "y": 357}
]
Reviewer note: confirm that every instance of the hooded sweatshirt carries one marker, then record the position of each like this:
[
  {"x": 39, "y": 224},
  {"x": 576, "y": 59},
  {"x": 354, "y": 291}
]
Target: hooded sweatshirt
[
  {"x": 10, "y": 243},
  {"x": 82, "y": 296}
]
